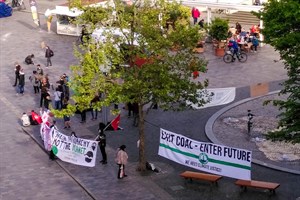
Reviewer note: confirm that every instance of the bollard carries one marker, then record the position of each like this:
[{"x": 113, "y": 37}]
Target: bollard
[{"x": 250, "y": 123}]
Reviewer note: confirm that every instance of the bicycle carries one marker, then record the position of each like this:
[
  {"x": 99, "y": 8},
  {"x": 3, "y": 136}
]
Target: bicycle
[{"x": 229, "y": 56}]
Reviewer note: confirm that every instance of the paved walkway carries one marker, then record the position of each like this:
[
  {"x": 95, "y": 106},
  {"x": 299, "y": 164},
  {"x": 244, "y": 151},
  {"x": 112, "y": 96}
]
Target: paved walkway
[{"x": 26, "y": 172}]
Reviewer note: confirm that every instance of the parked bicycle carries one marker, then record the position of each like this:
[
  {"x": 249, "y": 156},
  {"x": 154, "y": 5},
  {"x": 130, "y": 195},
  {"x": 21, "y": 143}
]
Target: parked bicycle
[{"x": 230, "y": 56}]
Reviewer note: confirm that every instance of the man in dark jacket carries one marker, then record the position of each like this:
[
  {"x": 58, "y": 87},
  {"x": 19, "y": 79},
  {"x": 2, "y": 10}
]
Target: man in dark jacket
[
  {"x": 17, "y": 74},
  {"x": 48, "y": 55},
  {"x": 21, "y": 82},
  {"x": 102, "y": 145}
]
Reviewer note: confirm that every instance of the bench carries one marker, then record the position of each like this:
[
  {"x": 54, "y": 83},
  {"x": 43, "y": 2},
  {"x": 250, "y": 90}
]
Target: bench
[
  {"x": 257, "y": 184},
  {"x": 201, "y": 176}
]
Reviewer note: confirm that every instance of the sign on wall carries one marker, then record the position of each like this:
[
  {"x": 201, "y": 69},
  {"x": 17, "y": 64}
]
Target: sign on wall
[{"x": 208, "y": 157}]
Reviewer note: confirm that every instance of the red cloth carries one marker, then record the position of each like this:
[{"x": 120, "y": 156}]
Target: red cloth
[
  {"x": 36, "y": 117},
  {"x": 195, "y": 74},
  {"x": 115, "y": 123},
  {"x": 140, "y": 61}
]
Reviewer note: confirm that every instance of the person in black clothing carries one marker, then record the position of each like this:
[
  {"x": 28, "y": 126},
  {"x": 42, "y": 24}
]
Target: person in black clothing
[
  {"x": 44, "y": 91},
  {"x": 135, "y": 112},
  {"x": 47, "y": 100},
  {"x": 238, "y": 28},
  {"x": 17, "y": 74},
  {"x": 21, "y": 81},
  {"x": 83, "y": 116},
  {"x": 102, "y": 145},
  {"x": 130, "y": 109},
  {"x": 28, "y": 59},
  {"x": 201, "y": 23},
  {"x": 84, "y": 34}
]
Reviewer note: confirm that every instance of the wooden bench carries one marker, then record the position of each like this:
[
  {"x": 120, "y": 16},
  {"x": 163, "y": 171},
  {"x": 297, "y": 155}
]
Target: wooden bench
[
  {"x": 257, "y": 184},
  {"x": 201, "y": 176}
]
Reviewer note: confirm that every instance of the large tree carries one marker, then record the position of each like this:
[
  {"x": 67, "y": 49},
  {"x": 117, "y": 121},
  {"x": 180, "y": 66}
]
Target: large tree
[
  {"x": 138, "y": 66},
  {"x": 282, "y": 31}
]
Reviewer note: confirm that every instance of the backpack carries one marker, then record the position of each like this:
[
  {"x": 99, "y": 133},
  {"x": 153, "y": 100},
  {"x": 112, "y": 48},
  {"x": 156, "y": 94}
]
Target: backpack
[
  {"x": 51, "y": 52},
  {"x": 25, "y": 120}
]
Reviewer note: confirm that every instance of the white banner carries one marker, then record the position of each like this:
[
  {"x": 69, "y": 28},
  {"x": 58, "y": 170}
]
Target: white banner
[
  {"x": 46, "y": 136},
  {"x": 208, "y": 157},
  {"x": 220, "y": 96},
  {"x": 74, "y": 150}
]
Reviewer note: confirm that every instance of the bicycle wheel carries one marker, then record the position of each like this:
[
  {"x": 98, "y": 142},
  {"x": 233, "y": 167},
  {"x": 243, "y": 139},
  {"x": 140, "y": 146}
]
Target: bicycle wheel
[
  {"x": 228, "y": 58},
  {"x": 243, "y": 57}
]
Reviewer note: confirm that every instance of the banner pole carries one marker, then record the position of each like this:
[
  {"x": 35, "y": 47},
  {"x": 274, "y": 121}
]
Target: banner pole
[{"x": 103, "y": 130}]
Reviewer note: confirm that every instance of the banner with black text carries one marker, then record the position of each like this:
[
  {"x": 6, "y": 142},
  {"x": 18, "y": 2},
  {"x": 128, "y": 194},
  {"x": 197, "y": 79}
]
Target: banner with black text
[
  {"x": 74, "y": 150},
  {"x": 208, "y": 157}
]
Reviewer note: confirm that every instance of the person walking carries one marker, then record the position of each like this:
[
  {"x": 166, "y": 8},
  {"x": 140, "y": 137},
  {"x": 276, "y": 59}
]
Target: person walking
[
  {"x": 21, "y": 82},
  {"x": 102, "y": 145},
  {"x": 17, "y": 74},
  {"x": 48, "y": 54},
  {"x": 121, "y": 160},
  {"x": 195, "y": 14}
]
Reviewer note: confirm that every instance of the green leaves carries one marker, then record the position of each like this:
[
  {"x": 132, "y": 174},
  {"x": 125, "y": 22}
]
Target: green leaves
[
  {"x": 219, "y": 29},
  {"x": 282, "y": 31}
]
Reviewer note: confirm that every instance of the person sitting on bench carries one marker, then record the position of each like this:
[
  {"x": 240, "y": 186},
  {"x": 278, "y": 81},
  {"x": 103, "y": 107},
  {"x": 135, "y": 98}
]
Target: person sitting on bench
[{"x": 28, "y": 60}]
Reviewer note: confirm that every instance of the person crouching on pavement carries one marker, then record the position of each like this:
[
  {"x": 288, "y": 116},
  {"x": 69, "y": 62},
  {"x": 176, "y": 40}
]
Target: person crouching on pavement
[{"x": 28, "y": 60}]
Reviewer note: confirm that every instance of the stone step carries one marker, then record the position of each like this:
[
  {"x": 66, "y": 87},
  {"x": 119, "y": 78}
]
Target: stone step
[{"x": 244, "y": 18}]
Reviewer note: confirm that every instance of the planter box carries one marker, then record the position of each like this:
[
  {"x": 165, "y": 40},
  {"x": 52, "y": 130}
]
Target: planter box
[{"x": 220, "y": 52}]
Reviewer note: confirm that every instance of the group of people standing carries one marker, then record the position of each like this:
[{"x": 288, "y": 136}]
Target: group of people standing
[
  {"x": 37, "y": 78},
  {"x": 59, "y": 97}
]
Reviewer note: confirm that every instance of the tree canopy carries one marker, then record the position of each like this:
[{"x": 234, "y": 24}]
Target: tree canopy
[
  {"x": 282, "y": 31},
  {"x": 138, "y": 65}
]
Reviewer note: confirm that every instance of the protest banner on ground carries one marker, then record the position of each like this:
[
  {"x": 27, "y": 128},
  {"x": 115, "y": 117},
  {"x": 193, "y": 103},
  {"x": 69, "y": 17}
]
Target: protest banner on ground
[
  {"x": 74, "y": 150},
  {"x": 220, "y": 96},
  {"x": 208, "y": 157}
]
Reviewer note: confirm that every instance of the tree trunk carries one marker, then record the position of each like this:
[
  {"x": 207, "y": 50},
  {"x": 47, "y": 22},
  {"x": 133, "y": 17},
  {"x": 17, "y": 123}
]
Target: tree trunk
[{"x": 142, "y": 157}]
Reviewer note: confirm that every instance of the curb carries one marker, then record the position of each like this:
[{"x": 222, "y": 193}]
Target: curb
[{"x": 210, "y": 134}]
